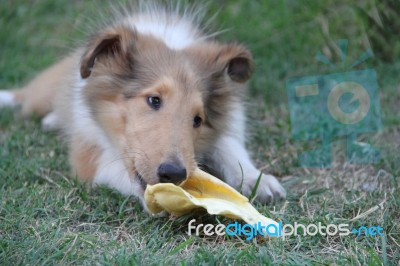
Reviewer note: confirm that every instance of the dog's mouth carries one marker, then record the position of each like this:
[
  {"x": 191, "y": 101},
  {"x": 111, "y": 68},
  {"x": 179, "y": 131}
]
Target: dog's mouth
[{"x": 143, "y": 183}]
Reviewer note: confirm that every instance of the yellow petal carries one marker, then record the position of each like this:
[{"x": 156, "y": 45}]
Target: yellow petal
[{"x": 205, "y": 191}]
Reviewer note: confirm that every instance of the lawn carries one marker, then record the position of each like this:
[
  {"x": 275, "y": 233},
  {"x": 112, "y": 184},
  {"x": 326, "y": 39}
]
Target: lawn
[{"x": 48, "y": 218}]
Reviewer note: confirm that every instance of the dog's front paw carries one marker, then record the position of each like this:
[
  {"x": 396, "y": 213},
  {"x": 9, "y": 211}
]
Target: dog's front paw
[{"x": 268, "y": 189}]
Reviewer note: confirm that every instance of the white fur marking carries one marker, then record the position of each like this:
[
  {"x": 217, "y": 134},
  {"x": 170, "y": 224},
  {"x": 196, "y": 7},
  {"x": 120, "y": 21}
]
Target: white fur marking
[
  {"x": 51, "y": 121},
  {"x": 237, "y": 123},
  {"x": 83, "y": 123},
  {"x": 232, "y": 157},
  {"x": 176, "y": 33},
  {"x": 111, "y": 170},
  {"x": 7, "y": 99}
]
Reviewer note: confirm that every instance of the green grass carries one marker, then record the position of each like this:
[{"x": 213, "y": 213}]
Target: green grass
[{"x": 48, "y": 218}]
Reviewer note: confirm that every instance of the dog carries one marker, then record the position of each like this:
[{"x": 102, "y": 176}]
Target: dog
[{"x": 147, "y": 99}]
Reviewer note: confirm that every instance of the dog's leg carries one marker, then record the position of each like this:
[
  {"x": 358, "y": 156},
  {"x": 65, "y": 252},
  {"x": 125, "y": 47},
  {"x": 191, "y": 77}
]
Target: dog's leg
[
  {"x": 233, "y": 161},
  {"x": 7, "y": 98},
  {"x": 83, "y": 159},
  {"x": 37, "y": 97},
  {"x": 51, "y": 122}
]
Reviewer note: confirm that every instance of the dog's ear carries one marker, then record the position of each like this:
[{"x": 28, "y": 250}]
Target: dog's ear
[
  {"x": 116, "y": 43},
  {"x": 237, "y": 61}
]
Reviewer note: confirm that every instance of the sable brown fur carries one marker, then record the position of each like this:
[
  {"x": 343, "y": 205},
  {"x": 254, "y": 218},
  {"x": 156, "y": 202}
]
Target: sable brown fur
[{"x": 99, "y": 97}]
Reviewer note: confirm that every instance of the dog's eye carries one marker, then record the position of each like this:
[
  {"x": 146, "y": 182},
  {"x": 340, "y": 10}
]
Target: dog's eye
[
  {"x": 154, "y": 102},
  {"x": 197, "y": 121}
]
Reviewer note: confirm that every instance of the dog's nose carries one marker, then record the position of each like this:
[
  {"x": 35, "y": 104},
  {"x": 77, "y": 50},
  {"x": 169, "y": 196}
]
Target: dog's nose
[{"x": 171, "y": 173}]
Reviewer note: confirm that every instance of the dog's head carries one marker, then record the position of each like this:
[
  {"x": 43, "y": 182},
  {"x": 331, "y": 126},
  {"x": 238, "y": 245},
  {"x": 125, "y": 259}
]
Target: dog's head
[{"x": 160, "y": 107}]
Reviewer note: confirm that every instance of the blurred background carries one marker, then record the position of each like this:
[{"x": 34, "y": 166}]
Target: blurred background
[{"x": 284, "y": 36}]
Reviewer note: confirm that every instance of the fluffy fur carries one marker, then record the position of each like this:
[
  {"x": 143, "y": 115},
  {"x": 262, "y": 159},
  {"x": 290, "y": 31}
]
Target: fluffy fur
[{"x": 101, "y": 98}]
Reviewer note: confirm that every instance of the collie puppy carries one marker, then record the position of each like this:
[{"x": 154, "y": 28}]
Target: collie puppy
[{"x": 149, "y": 98}]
